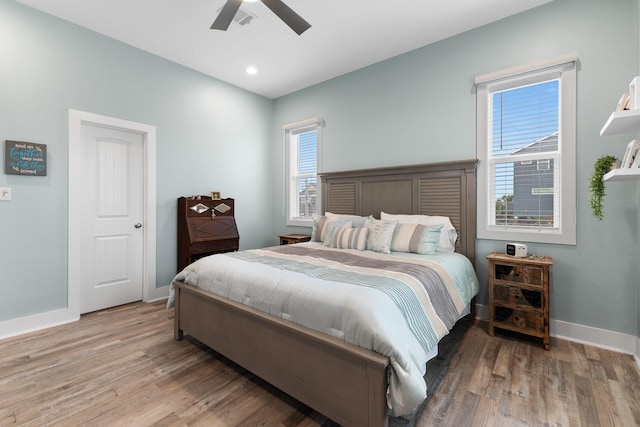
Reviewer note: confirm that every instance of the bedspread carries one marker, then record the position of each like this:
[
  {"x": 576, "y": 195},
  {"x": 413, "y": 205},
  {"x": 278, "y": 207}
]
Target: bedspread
[{"x": 399, "y": 305}]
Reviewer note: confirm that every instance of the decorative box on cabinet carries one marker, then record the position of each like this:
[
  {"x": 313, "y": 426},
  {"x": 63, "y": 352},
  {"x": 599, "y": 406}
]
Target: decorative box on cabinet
[
  {"x": 205, "y": 227},
  {"x": 519, "y": 295}
]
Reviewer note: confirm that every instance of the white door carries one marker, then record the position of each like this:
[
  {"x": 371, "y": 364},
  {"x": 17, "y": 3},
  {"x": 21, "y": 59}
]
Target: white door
[{"x": 113, "y": 212}]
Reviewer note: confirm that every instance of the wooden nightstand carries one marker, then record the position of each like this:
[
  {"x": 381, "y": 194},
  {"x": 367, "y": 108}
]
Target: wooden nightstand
[
  {"x": 519, "y": 295},
  {"x": 290, "y": 239}
]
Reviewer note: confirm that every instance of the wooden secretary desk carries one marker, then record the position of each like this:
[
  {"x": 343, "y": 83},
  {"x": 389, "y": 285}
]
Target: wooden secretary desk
[{"x": 205, "y": 227}]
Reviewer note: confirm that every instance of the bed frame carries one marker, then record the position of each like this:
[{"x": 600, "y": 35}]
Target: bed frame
[{"x": 342, "y": 381}]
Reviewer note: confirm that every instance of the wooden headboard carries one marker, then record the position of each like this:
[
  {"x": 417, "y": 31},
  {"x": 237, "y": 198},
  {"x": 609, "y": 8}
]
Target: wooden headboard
[{"x": 446, "y": 189}]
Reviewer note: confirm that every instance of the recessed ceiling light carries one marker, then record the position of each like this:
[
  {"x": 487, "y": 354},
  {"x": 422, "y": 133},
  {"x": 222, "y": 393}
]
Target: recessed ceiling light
[
  {"x": 251, "y": 1},
  {"x": 251, "y": 70}
]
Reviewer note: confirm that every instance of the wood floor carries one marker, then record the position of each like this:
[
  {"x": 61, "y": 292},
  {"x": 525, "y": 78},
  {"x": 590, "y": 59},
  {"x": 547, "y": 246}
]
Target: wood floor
[{"x": 122, "y": 367}]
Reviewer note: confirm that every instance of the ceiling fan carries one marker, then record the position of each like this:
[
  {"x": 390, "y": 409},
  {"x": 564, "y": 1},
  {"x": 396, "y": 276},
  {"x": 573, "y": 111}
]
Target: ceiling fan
[{"x": 284, "y": 12}]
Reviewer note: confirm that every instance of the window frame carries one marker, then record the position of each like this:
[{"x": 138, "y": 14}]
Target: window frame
[
  {"x": 563, "y": 68},
  {"x": 292, "y": 129}
]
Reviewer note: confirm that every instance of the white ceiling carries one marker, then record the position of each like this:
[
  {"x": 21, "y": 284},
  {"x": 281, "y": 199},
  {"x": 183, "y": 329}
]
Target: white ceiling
[{"x": 345, "y": 35}]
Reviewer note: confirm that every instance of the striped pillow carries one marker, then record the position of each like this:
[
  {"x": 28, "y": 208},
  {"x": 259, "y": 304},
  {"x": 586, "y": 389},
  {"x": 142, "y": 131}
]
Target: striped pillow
[
  {"x": 318, "y": 228},
  {"x": 332, "y": 226},
  {"x": 416, "y": 238},
  {"x": 448, "y": 235},
  {"x": 350, "y": 238},
  {"x": 321, "y": 224}
]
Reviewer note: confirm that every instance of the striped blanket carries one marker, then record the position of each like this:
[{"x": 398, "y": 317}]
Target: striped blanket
[{"x": 399, "y": 305}]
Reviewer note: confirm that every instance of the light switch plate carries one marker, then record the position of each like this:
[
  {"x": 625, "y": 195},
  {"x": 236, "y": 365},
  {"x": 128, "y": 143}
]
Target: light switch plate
[{"x": 5, "y": 193}]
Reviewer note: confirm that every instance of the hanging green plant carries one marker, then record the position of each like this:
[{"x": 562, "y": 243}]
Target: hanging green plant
[{"x": 596, "y": 184}]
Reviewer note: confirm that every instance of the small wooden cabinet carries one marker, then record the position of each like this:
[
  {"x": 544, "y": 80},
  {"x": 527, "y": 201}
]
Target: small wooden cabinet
[
  {"x": 205, "y": 227},
  {"x": 519, "y": 295},
  {"x": 290, "y": 239}
]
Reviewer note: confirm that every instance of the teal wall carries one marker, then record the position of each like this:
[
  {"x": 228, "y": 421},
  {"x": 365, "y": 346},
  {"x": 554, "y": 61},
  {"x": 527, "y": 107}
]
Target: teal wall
[
  {"x": 210, "y": 136},
  {"x": 638, "y": 187},
  {"x": 420, "y": 107}
]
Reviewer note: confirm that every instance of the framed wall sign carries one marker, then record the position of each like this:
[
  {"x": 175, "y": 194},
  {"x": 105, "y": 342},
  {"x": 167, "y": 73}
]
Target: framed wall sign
[{"x": 25, "y": 158}]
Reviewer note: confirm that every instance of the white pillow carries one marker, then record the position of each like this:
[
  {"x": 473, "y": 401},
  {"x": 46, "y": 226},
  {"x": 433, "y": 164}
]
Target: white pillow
[
  {"x": 380, "y": 234},
  {"x": 448, "y": 235},
  {"x": 358, "y": 221}
]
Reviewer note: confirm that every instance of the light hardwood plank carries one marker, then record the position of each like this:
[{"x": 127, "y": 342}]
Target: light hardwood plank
[{"x": 122, "y": 367}]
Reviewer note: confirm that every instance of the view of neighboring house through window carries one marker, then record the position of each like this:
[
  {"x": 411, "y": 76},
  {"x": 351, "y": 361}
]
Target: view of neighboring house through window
[
  {"x": 302, "y": 141},
  {"x": 526, "y": 146}
]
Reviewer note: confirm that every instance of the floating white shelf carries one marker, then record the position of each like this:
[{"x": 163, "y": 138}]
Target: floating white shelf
[
  {"x": 622, "y": 122},
  {"x": 626, "y": 174}
]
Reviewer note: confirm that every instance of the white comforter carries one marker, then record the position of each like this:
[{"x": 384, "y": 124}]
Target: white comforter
[{"x": 396, "y": 312}]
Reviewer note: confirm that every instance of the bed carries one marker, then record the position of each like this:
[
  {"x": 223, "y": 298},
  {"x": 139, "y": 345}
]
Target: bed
[{"x": 348, "y": 383}]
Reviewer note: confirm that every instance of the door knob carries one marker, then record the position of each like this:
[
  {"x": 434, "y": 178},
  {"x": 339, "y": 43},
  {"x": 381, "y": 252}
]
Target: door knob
[{"x": 138, "y": 225}]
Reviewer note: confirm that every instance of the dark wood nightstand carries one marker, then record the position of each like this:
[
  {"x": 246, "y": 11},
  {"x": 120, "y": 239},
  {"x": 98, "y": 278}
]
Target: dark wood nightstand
[
  {"x": 519, "y": 295},
  {"x": 290, "y": 239}
]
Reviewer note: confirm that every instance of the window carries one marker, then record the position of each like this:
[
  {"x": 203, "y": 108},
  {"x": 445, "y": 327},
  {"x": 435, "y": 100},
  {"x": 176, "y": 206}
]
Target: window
[
  {"x": 302, "y": 145},
  {"x": 526, "y": 146},
  {"x": 544, "y": 164}
]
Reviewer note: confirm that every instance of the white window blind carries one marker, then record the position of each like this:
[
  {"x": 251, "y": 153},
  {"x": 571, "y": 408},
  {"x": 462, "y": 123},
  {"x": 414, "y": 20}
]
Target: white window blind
[
  {"x": 524, "y": 135},
  {"x": 526, "y": 146},
  {"x": 303, "y": 186}
]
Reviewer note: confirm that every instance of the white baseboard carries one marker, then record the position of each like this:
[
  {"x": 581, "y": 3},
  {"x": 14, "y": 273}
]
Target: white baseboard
[
  {"x": 35, "y": 322},
  {"x": 482, "y": 312},
  {"x": 157, "y": 294},
  {"x": 23, "y": 325},
  {"x": 610, "y": 340},
  {"x": 596, "y": 337}
]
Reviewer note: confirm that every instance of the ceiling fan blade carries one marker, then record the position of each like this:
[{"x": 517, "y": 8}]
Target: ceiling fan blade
[
  {"x": 288, "y": 16},
  {"x": 226, "y": 15}
]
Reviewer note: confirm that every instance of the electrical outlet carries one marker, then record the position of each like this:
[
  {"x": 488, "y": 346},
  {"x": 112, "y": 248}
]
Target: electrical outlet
[{"x": 5, "y": 193}]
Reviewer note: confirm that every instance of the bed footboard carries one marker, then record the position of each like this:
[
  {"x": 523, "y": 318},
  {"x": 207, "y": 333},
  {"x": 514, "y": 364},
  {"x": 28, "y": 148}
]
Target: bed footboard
[{"x": 342, "y": 381}]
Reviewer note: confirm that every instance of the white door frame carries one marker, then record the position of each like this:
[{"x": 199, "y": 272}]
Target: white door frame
[{"x": 76, "y": 174}]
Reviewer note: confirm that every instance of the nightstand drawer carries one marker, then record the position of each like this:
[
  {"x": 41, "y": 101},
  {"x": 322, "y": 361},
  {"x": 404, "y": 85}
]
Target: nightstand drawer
[
  {"x": 528, "y": 275},
  {"x": 519, "y": 319},
  {"x": 516, "y": 296}
]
